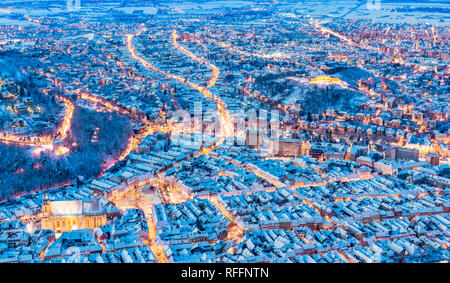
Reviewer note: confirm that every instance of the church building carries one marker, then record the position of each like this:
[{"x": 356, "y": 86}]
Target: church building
[{"x": 67, "y": 215}]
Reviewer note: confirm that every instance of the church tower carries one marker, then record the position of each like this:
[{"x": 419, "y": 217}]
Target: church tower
[{"x": 45, "y": 206}]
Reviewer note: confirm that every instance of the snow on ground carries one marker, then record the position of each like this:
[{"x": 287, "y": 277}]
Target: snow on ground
[
  {"x": 209, "y": 5},
  {"x": 37, "y": 12},
  {"x": 349, "y": 9},
  {"x": 359, "y": 10},
  {"x": 146, "y": 10},
  {"x": 9, "y": 22}
]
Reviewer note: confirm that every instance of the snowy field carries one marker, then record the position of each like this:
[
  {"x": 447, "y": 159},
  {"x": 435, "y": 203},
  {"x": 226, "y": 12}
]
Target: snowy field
[
  {"x": 348, "y": 9},
  {"x": 210, "y": 5},
  {"x": 359, "y": 10},
  {"x": 9, "y": 22},
  {"x": 145, "y": 10}
]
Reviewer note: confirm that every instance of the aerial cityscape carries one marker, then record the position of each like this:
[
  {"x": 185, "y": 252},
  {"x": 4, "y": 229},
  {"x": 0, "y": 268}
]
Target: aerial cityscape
[{"x": 199, "y": 131}]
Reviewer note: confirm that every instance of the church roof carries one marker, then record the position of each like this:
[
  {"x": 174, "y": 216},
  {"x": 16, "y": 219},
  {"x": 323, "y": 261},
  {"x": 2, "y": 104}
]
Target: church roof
[
  {"x": 66, "y": 208},
  {"x": 72, "y": 208}
]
